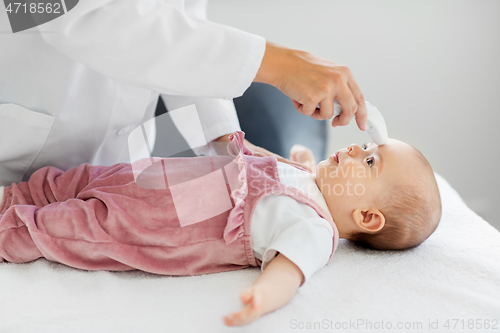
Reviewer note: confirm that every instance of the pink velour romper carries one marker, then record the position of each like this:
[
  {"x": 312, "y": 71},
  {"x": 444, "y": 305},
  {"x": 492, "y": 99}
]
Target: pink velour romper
[{"x": 99, "y": 218}]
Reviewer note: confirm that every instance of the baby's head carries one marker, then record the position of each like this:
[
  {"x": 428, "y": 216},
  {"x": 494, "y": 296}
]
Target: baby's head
[{"x": 385, "y": 197}]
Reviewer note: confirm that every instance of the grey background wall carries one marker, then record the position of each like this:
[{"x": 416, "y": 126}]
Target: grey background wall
[{"x": 431, "y": 67}]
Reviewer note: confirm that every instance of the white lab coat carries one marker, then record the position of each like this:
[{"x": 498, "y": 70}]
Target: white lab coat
[{"x": 72, "y": 89}]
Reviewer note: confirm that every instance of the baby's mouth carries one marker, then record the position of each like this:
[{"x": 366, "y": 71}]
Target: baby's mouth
[{"x": 335, "y": 156}]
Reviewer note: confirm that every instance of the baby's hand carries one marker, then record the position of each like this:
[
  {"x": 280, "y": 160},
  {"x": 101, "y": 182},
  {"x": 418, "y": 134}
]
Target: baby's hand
[
  {"x": 303, "y": 155},
  {"x": 252, "y": 299}
]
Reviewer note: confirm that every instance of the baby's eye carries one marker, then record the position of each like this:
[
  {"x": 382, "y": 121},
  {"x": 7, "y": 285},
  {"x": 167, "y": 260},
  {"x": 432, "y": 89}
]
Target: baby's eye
[
  {"x": 370, "y": 161},
  {"x": 364, "y": 145}
]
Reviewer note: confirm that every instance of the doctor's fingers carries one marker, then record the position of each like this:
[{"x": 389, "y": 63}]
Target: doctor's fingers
[
  {"x": 348, "y": 105},
  {"x": 319, "y": 111},
  {"x": 361, "y": 113},
  {"x": 307, "y": 109},
  {"x": 341, "y": 85},
  {"x": 325, "y": 110},
  {"x": 318, "y": 95}
]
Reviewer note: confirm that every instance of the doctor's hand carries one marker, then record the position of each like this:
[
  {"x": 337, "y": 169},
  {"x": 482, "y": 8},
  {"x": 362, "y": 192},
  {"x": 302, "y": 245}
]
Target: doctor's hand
[
  {"x": 309, "y": 80},
  {"x": 261, "y": 152}
]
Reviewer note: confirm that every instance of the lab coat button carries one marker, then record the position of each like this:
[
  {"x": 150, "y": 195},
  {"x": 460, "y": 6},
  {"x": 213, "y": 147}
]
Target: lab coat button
[{"x": 123, "y": 130}]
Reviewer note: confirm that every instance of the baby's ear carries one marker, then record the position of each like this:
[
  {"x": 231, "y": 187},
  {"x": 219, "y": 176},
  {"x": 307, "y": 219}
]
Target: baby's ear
[{"x": 369, "y": 220}]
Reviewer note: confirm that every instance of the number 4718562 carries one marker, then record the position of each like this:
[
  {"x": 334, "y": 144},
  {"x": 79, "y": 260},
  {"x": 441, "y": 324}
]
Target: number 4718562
[{"x": 49, "y": 8}]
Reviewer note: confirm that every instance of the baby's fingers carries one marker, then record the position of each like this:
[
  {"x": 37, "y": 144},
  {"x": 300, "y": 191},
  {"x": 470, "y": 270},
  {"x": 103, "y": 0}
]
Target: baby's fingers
[
  {"x": 251, "y": 298},
  {"x": 243, "y": 317},
  {"x": 251, "y": 311},
  {"x": 246, "y": 296}
]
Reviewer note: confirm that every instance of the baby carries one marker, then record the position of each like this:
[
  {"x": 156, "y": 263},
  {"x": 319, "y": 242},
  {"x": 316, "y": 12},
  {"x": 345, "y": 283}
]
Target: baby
[
  {"x": 394, "y": 201},
  {"x": 186, "y": 216}
]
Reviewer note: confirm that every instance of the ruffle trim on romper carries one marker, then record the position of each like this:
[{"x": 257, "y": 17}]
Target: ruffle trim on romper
[
  {"x": 6, "y": 199},
  {"x": 234, "y": 227}
]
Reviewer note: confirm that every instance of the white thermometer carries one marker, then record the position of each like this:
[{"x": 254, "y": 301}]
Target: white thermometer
[{"x": 376, "y": 124}]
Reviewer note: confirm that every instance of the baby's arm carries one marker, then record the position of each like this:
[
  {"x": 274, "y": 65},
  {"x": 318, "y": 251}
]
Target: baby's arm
[{"x": 273, "y": 289}]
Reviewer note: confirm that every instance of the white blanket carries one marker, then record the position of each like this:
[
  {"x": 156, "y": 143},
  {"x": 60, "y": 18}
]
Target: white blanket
[{"x": 454, "y": 276}]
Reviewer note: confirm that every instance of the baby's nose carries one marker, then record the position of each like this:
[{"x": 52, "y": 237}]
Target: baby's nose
[{"x": 353, "y": 149}]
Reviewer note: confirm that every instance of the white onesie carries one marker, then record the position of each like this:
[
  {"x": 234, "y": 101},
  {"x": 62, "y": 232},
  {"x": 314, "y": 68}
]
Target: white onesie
[{"x": 282, "y": 224}]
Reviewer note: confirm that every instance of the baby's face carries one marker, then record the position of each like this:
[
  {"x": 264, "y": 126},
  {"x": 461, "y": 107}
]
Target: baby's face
[{"x": 355, "y": 176}]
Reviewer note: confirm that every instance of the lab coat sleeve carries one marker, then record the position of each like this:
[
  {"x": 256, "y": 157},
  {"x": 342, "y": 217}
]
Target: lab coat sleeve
[
  {"x": 155, "y": 45},
  {"x": 217, "y": 116}
]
